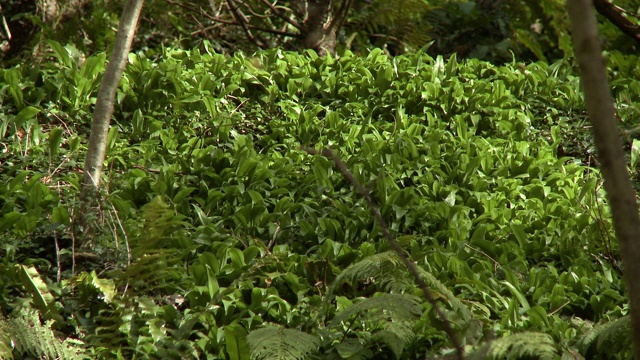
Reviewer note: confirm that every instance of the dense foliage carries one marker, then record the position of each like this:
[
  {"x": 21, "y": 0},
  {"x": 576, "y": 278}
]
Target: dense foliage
[
  {"x": 221, "y": 238},
  {"x": 496, "y": 31}
]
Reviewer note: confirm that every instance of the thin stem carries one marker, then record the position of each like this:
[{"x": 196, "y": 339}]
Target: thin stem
[{"x": 411, "y": 266}]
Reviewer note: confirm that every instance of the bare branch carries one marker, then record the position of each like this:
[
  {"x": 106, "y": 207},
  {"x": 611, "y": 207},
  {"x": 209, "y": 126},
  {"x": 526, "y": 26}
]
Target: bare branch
[
  {"x": 411, "y": 266},
  {"x": 282, "y": 16},
  {"x": 252, "y": 27},
  {"x": 341, "y": 15},
  {"x": 614, "y": 14},
  {"x": 228, "y": 22},
  {"x": 242, "y": 21}
]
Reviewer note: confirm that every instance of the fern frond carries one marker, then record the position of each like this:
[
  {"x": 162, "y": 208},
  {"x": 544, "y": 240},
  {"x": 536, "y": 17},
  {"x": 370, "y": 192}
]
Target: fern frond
[
  {"x": 387, "y": 270},
  {"x": 396, "y": 336},
  {"x": 5, "y": 341},
  {"x": 396, "y": 306},
  {"x": 523, "y": 345},
  {"x": 613, "y": 337},
  {"x": 160, "y": 222},
  {"x": 395, "y": 314},
  {"x": 351, "y": 349},
  {"x": 275, "y": 342},
  {"x": 399, "y": 19},
  {"x": 157, "y": 255},
  {"x": 157, "y": 272},
  {"x": 383, "y": 268},
  {"x": 453, "y": 301},
  {"x": 33, "y": 338}
]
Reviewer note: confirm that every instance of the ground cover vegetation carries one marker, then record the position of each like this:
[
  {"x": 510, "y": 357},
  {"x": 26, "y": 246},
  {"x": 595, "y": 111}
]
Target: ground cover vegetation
[{"x": 220, "y": 237}]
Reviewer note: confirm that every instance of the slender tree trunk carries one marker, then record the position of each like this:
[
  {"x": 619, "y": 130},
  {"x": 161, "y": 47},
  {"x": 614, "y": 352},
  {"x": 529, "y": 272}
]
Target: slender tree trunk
[
  {"x": 96, "y": 152},
  {"x": 107, "y": 93},
  {"x": 620, "y": 192}
]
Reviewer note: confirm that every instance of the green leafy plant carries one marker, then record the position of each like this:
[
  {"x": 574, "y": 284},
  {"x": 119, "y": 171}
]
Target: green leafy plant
[
  {"x": 612, "y": 337},
  {"x": 24, "y": 334},
  {"x": 216, "y": 223},
  {"x": 278, "y": 343},
  {"x": 521, "y": 345}
]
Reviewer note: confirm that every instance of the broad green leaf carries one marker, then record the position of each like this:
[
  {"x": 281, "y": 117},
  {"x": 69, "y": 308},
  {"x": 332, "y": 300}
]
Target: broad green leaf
[
  {"x": 112, "y": 138},
  {"x": 55, "y": 137},
  {"x": 235, "y": 337},
  {"x": 635, "y": 149},
  {"x": 211, "y": 260},
  {"x": 212, "y": 282},
  {"x": 451, "y": 198},
  {"x": 8, "y": 220},
  {"x": 478, "y": 234},
  {"x": 39, "y": 291},
  {"x": 256, "y": 198},
  {"x": 247, "y": 166},
  {"x": 25, "y": 114},
  {"x": 204, "y": 219},
  {"x": 60, "y": 215},
  {"x": 237, "y": 257},
  {"x": 182, "y": 195},
  {"x": 93, "y": 65},
  {"x": 518, "y": 295},
  {"x": 61, "y": 53},
  {"x": 518, "y": 232},
  {"x": 538, "y": 317}
]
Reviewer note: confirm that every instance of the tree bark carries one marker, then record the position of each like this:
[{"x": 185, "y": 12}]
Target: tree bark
[
  {"x": 84, "y": 223},
  {"x": 106, "y": 95},
  {"x": 319, "y": 35},
  {"x": 601, "y": 110}
]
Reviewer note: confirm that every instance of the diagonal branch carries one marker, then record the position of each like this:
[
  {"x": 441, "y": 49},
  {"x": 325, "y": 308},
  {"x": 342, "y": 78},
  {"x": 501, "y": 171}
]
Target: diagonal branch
[
  {"x": 281, "y": 15},
  {"x": 411, "y": 266},
  {"x": 228, "y": 22},
  {"x": 341, "y": 15},
  {"x": 613, "y": 13},
  {"x": 243, "y": 22}
]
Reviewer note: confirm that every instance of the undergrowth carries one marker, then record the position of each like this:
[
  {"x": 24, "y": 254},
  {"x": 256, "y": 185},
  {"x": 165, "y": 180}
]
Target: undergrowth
[{"x": 223, "y": 239}]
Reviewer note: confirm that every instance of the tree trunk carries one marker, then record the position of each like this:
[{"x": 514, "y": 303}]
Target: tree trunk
[
  {"x": 107, "y": 93},
  {"x": 601, "y": 110},
  {"x": 96, "y": 149},
  {"x": 319, "y": 33}
]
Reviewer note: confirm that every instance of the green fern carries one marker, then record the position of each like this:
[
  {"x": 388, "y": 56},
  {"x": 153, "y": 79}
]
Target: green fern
[
  {"x": 275, "y": 342},
  {"x": 455, "y": 303},
  {"x": 351, "y": 349},
  {"x": 394, "y": 314},
  {"x": 159, "y": 224},
  {"x": 395, "y": 307},
  {"x": 384, "y": 269},
  {"x": 530, "y": 345},
  {"x": 5, "y": 341},
  {"x": 612, "y": 337},
  {"x": 388, "y": 271},
  {"x": 157, "y": 250},
  {"x": 30, "y": 337},
  {"x": 385, "y": 319}
]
